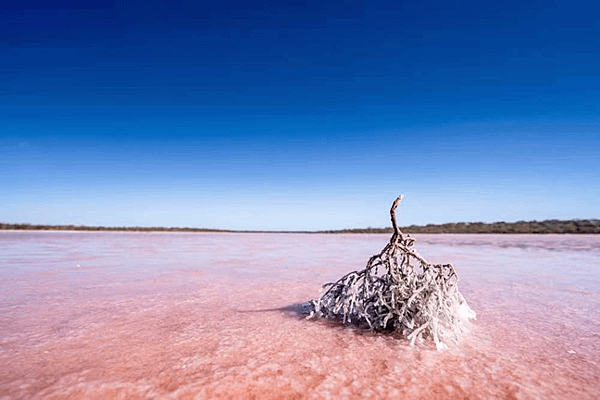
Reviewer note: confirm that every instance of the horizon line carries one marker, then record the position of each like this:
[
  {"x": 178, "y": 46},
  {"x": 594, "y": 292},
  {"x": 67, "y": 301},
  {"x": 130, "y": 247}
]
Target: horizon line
[{"x": 575, "y": 225}]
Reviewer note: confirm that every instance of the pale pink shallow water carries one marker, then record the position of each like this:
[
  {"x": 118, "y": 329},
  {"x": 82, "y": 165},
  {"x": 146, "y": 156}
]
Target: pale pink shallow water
[{"x": 175, "y": 315}]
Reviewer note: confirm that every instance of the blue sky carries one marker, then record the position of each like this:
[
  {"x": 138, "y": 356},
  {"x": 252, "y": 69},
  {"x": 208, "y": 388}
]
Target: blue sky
[{"x": 301, "y": 115}]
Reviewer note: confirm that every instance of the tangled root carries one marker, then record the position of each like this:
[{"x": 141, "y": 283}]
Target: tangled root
[{"x": 399, "y": 291}]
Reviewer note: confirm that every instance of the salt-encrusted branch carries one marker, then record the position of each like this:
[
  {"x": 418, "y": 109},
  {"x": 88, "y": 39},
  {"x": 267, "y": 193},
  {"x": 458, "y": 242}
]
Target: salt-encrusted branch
[{"x": 408, "y": 294}]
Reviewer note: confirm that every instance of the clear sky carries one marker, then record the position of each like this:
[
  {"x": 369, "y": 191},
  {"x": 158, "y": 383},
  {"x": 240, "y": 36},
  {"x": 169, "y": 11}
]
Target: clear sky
[{"x": 300, "y": 115}]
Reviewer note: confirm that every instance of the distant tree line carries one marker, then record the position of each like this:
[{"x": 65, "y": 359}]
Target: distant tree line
[
  {"x": 30, "y": 227},
  {"x": 548, "y": 226}
]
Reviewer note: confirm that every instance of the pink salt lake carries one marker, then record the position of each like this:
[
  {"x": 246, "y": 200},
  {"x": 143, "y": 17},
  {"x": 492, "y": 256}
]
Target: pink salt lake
[{"x": 180, "y": 315}]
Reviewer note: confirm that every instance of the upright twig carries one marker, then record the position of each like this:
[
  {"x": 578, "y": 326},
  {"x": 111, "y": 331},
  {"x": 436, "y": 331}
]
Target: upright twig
[{"x": 397, "y": 231}]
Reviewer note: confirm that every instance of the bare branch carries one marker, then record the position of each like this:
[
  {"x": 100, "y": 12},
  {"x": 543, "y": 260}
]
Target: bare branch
[{"x": 393, "y": 216}]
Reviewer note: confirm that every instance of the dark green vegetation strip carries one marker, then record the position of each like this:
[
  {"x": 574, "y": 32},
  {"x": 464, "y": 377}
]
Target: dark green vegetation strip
[
  {"x": 29, "y": 227},
  {"x": 548, "y": 226}
]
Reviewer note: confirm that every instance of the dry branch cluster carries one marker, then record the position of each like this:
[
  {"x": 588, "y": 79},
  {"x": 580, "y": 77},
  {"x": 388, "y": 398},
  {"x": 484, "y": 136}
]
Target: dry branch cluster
[{"x": 399, "y": 290}]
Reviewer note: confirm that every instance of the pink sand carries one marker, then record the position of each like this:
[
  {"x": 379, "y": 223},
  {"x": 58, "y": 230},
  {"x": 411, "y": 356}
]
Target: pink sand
[{"x": 175, "y": 315}]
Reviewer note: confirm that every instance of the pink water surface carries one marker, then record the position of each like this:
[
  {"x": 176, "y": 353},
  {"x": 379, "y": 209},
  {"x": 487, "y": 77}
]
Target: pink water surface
[{"x": 180, "y": 315}]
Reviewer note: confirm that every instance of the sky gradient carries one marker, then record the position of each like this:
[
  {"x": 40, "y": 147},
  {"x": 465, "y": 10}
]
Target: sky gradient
[{"x": 303, "y": 115}]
